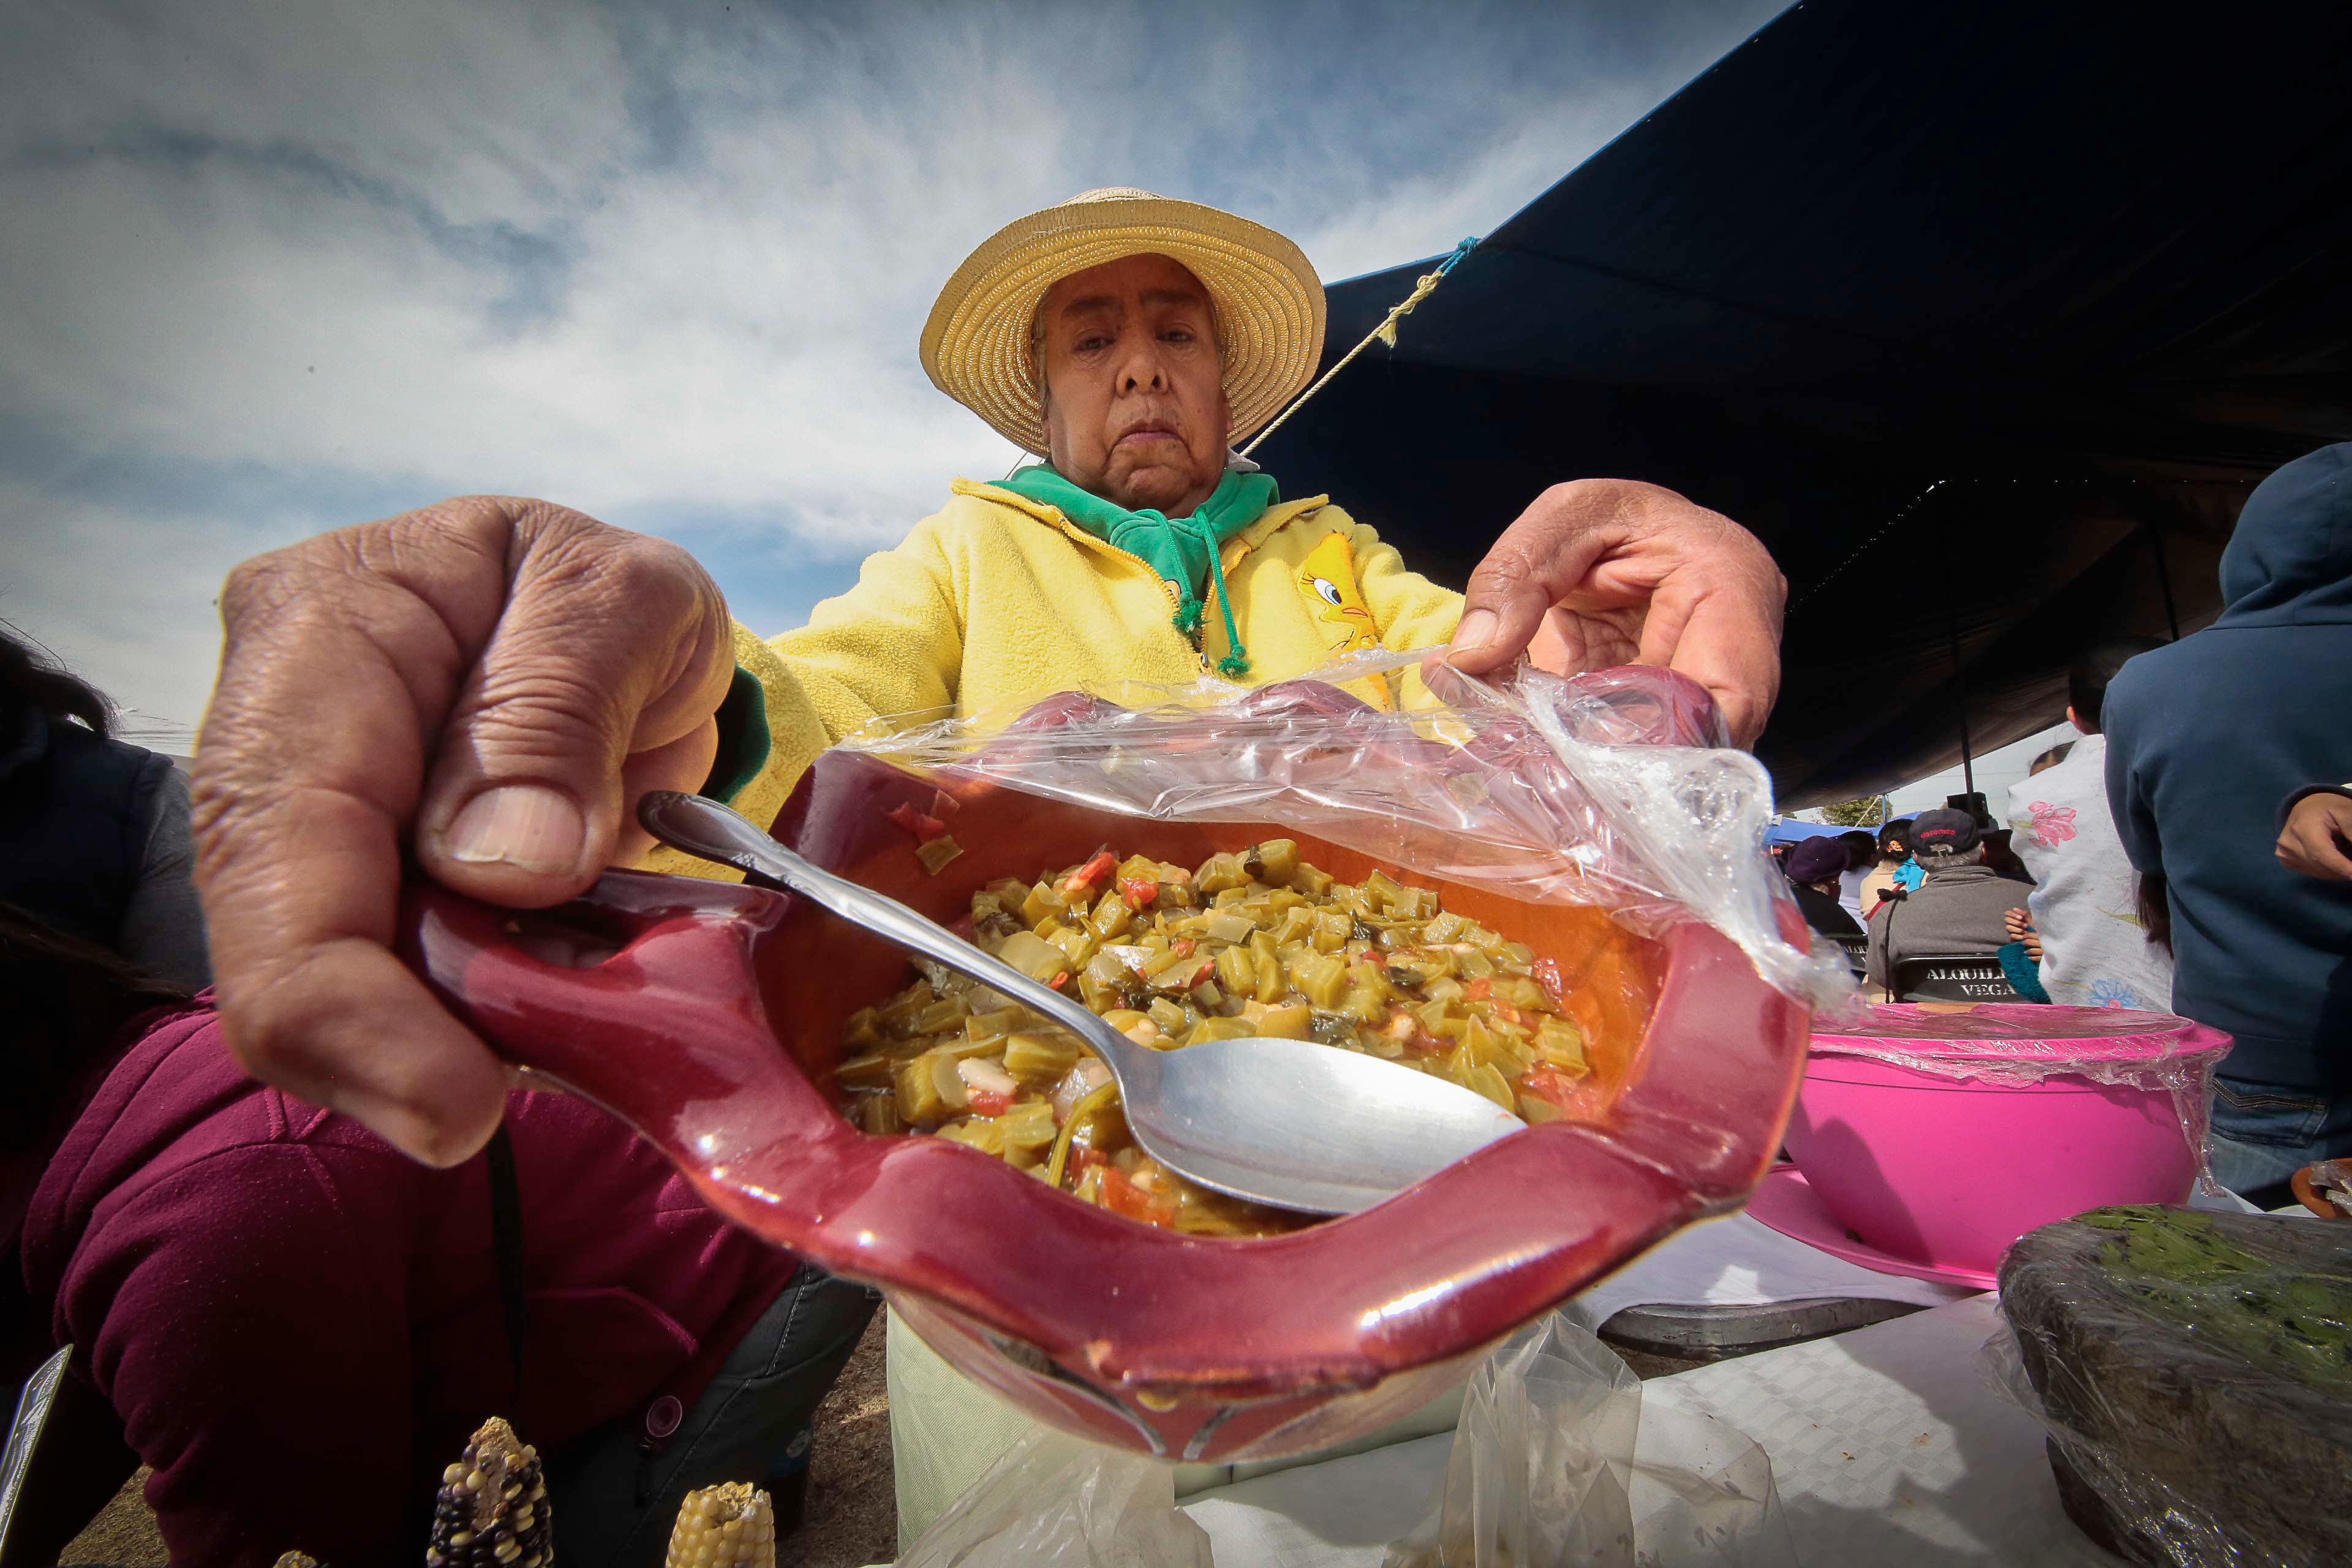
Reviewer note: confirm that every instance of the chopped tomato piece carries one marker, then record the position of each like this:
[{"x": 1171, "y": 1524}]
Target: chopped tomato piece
[
  {"x": 1182, "y": 947},
  {"x": 1479, "y": 989},
  {"x": 921, "y": 824},
  {"x": 1138, "y": 891},
  {"x": 1122, "y": 1196},
  {"x": 1087, "y": 874},
  {"x": 1059, "y": 980},
  {"x": 1547, "y": 974},
  {"x": 1548, "y": 1083},
  {"x": 992, "y": 1102}
]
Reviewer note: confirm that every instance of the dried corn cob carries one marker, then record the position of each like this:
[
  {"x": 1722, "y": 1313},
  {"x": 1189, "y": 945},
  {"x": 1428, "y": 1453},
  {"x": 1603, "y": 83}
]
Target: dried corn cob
[
  {"x": 297, "y": 1560},
  {"x": 728, "y": 1525},
  {"x": 491, "y": 1511}
]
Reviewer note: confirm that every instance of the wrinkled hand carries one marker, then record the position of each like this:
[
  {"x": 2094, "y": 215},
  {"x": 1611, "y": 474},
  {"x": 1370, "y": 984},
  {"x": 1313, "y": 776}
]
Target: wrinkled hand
[
  {"x": 489, "y": 681},
  {"x": 2315, "y": 840},
  {"x": 1606, "y": 572}
]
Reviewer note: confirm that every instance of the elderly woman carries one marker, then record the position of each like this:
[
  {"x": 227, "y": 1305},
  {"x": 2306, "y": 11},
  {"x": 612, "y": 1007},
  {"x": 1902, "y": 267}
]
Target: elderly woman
[{"x": 1140, "y": 548}]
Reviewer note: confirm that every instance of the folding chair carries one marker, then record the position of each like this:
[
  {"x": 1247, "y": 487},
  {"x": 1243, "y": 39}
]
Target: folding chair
[{"x": 1952, "y": 977}]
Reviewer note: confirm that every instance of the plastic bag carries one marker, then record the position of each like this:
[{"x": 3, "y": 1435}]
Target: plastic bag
[
  {"x": 2017, "y": 1044},
  {"x": 1056, "y": 1500},
  {"x": 1557, "y": 1461},
  {"x": 2194, "y": 1372},
  {"x": 1615, "y": 789},
  {"x": 2331, "y": 1180}
]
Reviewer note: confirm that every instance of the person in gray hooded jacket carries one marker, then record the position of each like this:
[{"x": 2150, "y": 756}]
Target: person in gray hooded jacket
[{"x": 1961, "y": 907}]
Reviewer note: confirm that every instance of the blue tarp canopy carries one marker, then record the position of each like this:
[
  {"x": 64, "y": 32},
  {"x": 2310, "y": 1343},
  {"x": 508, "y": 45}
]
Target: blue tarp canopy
[
  {"x": 1985, "y": 318},
  {"x": 1786, "y": 832}
]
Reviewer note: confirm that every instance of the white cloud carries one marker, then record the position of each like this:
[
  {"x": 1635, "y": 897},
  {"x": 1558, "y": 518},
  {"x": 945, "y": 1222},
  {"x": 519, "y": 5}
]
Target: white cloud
[
  {"x": 136, "y": 621},
  {"x": 321, "y": 253}
]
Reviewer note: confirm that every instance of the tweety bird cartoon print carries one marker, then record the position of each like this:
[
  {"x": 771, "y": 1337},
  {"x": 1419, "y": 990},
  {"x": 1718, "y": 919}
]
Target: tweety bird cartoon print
[{"x": 1327, "y": 580}]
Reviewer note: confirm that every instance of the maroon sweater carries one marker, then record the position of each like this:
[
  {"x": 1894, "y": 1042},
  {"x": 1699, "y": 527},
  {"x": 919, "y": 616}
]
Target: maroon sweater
[{"x": 299, "y": 1326}]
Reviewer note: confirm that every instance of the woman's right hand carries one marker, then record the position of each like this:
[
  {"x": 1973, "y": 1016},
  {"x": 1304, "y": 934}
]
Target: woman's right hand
[{"x": 489, "y": 684}]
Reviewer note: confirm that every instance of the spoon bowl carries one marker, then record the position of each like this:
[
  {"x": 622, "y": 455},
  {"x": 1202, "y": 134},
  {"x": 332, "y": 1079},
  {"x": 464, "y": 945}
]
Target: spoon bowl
[{"x": 1283, "y": 1122}]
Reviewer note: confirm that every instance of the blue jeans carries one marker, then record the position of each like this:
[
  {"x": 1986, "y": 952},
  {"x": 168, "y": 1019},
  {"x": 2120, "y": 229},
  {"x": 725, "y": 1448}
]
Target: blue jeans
[
  {"x": 2264, "y": 1132},
  {"x": 614, "y": 1503}
]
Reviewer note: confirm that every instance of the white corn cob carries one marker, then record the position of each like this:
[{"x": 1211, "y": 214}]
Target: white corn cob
[
  {"x": 297, "y": 1560},
  {"x": 491, "y": 1510},
  {"x": 728, "y": 1525}
]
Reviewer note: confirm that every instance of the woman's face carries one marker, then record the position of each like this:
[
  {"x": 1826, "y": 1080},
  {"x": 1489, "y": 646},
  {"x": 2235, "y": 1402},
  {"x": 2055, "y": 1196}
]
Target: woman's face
[{"x": 1135, "y": 393}]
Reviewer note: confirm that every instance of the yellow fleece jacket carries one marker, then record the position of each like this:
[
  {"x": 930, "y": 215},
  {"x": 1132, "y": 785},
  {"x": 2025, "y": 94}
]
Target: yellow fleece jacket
[{"x": 997, "y": 600}]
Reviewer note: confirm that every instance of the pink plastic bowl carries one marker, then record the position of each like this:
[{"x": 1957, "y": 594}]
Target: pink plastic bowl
[{"x": 1948, "y": 1172}]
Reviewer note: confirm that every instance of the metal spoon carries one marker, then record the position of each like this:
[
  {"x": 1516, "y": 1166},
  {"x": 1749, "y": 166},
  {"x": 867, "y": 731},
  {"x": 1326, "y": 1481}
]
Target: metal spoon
[{"x": 1283, "y": 1122}]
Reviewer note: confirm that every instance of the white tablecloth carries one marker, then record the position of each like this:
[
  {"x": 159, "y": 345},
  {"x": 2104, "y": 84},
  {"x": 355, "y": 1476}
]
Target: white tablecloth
[
  {"x": 1740, "y": 1261},
  {"x": 1888, "y": 1447},
  {"x": 947, "y": 1430}
]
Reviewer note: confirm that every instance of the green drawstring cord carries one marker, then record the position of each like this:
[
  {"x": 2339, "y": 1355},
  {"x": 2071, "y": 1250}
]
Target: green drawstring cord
[
  {"x": 1188, "y": 606},
  {"x": 1235, "y": 664}
]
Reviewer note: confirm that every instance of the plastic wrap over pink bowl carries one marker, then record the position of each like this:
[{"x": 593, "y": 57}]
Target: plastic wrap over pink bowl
[{"x": 1942, "y": 1136}]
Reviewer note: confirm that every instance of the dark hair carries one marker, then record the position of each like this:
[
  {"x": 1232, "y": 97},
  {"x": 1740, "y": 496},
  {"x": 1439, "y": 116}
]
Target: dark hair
[
  {"x": 2051, "y": 758},
  {"x": 2087, "y": 683},
  {"x": 1898, "y": 832},
  {"x": 2002, "y": 856},
  {"x": 67, "y": 1001},
  {"x": 2155, "y": 910},
  {"x": 27, "y": 681}
]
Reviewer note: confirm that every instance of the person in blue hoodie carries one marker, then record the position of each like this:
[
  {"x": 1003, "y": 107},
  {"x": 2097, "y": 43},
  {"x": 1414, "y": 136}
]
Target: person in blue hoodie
[{"x": 2209, "y": 740}]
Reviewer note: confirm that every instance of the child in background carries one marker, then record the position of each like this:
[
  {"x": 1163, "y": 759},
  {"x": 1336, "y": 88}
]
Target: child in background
[{"x": 1896, "y": 871}]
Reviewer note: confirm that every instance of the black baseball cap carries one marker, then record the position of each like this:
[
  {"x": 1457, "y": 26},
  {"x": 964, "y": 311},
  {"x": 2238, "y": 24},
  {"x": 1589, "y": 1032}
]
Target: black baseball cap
[{"x": 1944, "y": 832}]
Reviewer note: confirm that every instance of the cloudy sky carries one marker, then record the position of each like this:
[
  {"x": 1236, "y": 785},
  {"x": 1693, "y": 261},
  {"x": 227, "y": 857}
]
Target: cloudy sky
[{"x": 266, "y": 269}]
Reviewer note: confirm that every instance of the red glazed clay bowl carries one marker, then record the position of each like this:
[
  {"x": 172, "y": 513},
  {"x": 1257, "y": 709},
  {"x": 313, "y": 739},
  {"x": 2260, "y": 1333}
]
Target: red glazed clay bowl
[{"x": 712, "y": 1027}]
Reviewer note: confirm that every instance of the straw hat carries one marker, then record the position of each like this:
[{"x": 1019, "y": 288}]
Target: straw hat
[{"x": 1268, "y": 300}]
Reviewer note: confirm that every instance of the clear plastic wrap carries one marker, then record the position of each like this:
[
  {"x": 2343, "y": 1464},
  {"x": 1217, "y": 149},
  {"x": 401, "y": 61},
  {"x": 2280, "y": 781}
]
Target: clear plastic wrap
[
  {"x": 1556, "y": 1459},
  {"x": 2331, "y": 1181},
  {"x": 2194, "y": 1373},
  {"x": 1060, "y": 1499},
  {"x": 1615, "y": 789},
  {"x": 2024, "y": 1043}
]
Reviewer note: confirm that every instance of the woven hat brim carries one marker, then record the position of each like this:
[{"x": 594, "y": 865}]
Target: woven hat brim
[{"x": 1269, "y": 305}]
